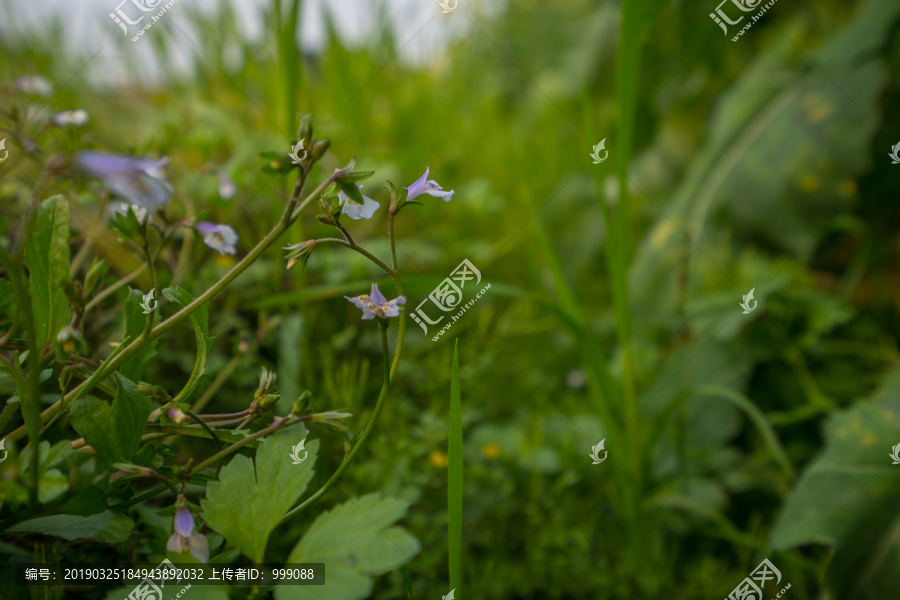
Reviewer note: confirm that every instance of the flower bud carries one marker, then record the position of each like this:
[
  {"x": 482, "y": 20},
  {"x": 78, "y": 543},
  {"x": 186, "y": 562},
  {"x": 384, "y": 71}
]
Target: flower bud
[
  {"x": 318, "y": 149},
  {"x": 95, "y": 277},
  {"x": 305, "y": 131}
]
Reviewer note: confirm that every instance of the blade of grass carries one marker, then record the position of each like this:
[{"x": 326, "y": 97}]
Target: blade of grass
[
  {"x": 407, "y": 582},
  {"x": 770, "y": 439},
  {"x": 455, "y": 477}
]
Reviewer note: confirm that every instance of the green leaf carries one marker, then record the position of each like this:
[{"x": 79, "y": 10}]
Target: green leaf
[
  {"x": 200, "y": 320},
  {"x": 848, "y": 498},
  {"x": 351, "y": 190},
  {"x": 107, "y": 527},
  {"x": 47, "y": 259},
  {"x": 356, "y": 541},
  {"x": 113, "y": 430},
  {"x": 245, "y": 505},
  {"x": 133, "y": 368},
  {"x": 455, "y": 477}
]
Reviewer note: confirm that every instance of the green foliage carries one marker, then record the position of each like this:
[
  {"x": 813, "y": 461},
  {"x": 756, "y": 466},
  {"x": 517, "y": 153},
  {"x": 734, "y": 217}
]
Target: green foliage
[
  {"x": 47, "y": 259},
  {"x": 200, "y": 322},
  {"x": 245, "y": 505},
  {"x": 356, "y": 540},
  {"x": 846, "y": 496},
  {"x": 107, "y": 527},
  {"x": 455, "y": 477},
  {"x": 112, "y": 429},
  {"x": 135, "y": 320}
]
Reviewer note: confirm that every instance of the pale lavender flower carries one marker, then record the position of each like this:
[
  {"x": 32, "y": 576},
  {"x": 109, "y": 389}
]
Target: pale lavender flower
[
  {"x": 137, "y": 180},
  {"x": 355, "y": 210},
  {"x": 71, "y": 117},
  {"x": 227, "y": 188},
  {"x": 34, "y": 84},
  {"x": 423, "y": 185},
  {"x": 185, "y": 539},
  {"x": 221, "y": 238},
  {"x": 375, "y": 304}
]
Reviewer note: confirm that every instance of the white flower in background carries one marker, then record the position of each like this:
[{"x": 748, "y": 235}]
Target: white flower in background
[
  {"x": 376, "y": 305},
  {"x": 221, "y": 238},
  {"x": 122, "y": 208},
  {"x": 76, "y": 118},
  {"x": 355, "y": 210},
  {"x": 34, "y": 84},
  {"x": 227, "y": 187}
]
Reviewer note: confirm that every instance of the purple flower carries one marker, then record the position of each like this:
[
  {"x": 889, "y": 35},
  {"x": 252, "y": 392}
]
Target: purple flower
[
  {"x": 375, "y": 304},
  {"x": 355, "y": 210},
  {"x": 423, "y": 185},
  {"x": 136, "y": 180},
  {"x": 221, "y": 238},
  {"x": 185, "y": 539}
]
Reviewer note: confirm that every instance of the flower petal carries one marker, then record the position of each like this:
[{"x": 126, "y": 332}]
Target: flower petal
[
  {"x": 433, "y": 188},
  {"x": 377, "y": 297},
  {"x": 418, "y": 187},
  {"x": 221, "y": 238},
  {"x": 184, "y": 522},
  {"x": 355, "y": 210}
]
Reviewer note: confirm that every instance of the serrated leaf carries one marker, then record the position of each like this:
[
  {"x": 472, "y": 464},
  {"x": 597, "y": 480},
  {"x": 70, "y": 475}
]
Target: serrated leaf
[
  {"x": 847, "y": 498},
  {"x": 107, "y": 527},
  {"x": 247, "y": 503},
  {"x": 113, "y": 430},
  {"x": 133, "y": 368},
  {"x": 200, "y": 320},
  {"x": 356, "y": 541},
  {"x": 47, "y": 259}
]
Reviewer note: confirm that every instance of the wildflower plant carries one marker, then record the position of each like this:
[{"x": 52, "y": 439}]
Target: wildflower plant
[{"x": 118, "y": 427}]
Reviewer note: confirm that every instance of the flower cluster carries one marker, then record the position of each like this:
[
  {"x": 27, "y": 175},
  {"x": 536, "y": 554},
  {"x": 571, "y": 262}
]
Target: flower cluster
[{"x": 142, "y": 186}]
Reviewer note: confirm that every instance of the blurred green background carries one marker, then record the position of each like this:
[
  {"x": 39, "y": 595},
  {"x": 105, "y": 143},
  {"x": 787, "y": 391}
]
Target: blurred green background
[{"x": 613, "y": 313}]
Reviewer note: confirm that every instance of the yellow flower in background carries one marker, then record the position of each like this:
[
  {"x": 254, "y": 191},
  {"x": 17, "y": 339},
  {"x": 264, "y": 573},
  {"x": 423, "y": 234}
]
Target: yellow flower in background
[
  {"x": 437, "y": 458},
  {"x": 491, "y": 451}
]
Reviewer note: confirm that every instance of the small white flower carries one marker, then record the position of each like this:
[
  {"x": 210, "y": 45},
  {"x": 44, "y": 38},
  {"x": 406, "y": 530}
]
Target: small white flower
[
  {"x": 355, "y": 210},
  {"x": 221, "y": 238},
  {"x": 34, "y": 84},
  {"x": 227, "y": 187},
  {"x": 122, "y": 208},
  {"x": 71, "y": 117}
]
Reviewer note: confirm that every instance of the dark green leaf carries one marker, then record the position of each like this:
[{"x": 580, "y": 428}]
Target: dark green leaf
[
  {"x": 47, "y": 259},
  {"x": 107, "y": 527},
  {"x": 133, "y": 368},
  {"x": 113, "y": 430},
  {"x": 200, "y": 321}
]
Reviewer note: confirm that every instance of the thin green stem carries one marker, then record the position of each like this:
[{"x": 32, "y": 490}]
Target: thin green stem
[
  {"x": 362, "y": 438},
  {"x": 235, "y": 446},
  {"x": 292, "y": 212},
  {"x": 357, "y": 248}
]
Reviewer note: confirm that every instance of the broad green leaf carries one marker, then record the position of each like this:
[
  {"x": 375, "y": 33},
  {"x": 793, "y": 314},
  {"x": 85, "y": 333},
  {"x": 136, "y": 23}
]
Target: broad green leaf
[
  {"x": 455, "y": 477},
  {"x": 847, "y": 498},
  {"x": 107, "y": 527},
  {"x": 52, "y": 482},
  {"x": 246, "y": 504},
  {"x": 135, "y": 319},
  {"x": 113, "y": 430},
  {"x": 200, "y": 320},
  {"x": 47, "y": 259},
  {"x": 355, "y": 540},
  {"x": 787, "y": 139}
]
